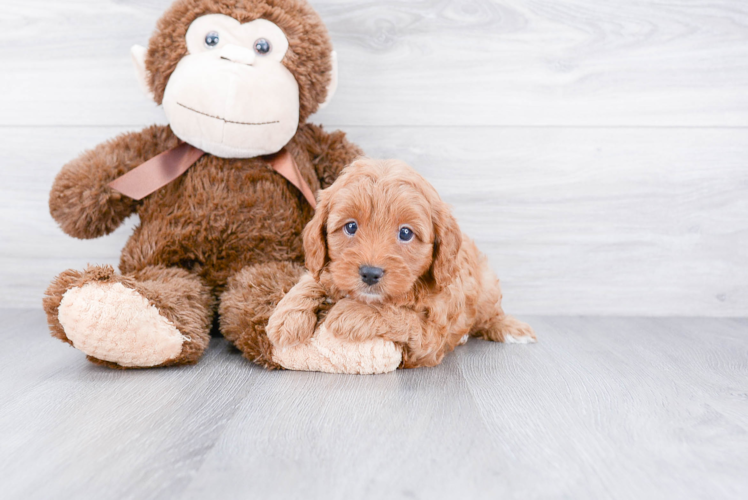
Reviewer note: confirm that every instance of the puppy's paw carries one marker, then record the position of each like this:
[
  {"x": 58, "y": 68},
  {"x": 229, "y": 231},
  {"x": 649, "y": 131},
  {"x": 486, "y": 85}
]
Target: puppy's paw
[
  {"x": 352, "y": 321},
  {"x": 290, "y": 328},
  {"x": 509, "y": 330},
  {"x": 518, "y": 332}
]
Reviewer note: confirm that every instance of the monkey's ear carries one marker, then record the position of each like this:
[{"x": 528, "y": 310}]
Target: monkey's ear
[
  {"x": 138, "y": 53},
  {"x": 333, "y": 85}
]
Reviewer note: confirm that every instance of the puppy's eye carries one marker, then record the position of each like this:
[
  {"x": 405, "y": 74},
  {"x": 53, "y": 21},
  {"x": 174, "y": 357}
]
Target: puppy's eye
[
  {"x": 262, "y": 47},
  {"x": 350, "y": 228},
  {"x": 406, "y": 234},
  {"x": 212, "y": 39}
]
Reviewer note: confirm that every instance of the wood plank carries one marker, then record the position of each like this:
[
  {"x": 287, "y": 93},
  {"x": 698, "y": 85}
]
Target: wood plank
[
  {"x": 90, "y": 431},
  {"x": 599, "y": 408},
  {"x": 484, "y": 62},
  {"x": 638, "y": 403},
  {"x": 575, "y": 221},
  {"x": 317, "y": 436}
]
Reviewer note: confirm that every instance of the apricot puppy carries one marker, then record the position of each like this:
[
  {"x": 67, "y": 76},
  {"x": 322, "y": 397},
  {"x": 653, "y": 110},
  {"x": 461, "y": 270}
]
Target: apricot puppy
[{"x": 386, "y": 252}]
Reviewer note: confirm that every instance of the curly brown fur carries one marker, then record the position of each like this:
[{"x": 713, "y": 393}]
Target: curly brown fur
[
  {"x": 297, "y": 314},
  {"x": 249, "y": 300},
  {"x": 222, "y": 216},
  {"x": 215, "y": 220},
  {"x": 326, "y": 150},
  {"x": 308, "y": 58},
  {"x": 81, "y": 200},
  {"x": 436, "y": 288}
]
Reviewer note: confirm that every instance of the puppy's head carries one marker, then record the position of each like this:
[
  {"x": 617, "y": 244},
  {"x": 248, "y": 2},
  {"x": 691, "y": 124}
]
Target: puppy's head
[{"x": 380, "y": 229}]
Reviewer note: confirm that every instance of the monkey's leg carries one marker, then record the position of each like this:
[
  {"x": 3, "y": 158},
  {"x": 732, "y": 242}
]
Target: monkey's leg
[
  {"x": 154, "y": 317},
  {"x": 247, "y": 304},
  {"x": 246, "y": 307}
]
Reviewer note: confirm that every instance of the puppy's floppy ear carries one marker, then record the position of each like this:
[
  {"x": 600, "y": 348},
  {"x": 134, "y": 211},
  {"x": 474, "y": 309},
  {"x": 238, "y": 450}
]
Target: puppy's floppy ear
[
  {"x": 447, "y": 243},
  {"x": 315, "y": 233},
  {"x": 315, "y": 237}
]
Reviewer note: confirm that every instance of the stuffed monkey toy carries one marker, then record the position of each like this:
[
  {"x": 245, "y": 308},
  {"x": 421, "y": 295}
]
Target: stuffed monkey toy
[{"x": 223, "y": 193}]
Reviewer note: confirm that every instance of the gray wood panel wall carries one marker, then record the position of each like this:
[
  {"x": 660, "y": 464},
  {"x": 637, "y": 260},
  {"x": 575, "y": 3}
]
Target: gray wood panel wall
[{"x": 597, "y": 150}]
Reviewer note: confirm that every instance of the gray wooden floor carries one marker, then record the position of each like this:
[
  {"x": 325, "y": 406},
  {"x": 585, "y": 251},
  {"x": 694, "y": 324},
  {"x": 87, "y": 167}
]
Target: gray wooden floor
[{"x": 600, "y": 408}]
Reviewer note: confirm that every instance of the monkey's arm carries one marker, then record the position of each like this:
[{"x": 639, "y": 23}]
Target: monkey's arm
[
  {"x": 81, "y": 200},
  {"x": 295, "y": 316},
  {"x": 330, "y": 152}
]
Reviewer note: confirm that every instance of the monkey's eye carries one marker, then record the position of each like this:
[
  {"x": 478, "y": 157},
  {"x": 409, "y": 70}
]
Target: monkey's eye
[
  {"x": 406, "y": 234},
  {"x": 262, "y": 47},
  {"x": 212, "y": 39},
  {"x": 350, "y": 228}
]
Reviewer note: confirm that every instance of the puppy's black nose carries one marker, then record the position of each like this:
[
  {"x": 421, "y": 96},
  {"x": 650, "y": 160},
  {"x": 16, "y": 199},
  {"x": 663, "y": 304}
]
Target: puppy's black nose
[{"x": 371, "y": 275}]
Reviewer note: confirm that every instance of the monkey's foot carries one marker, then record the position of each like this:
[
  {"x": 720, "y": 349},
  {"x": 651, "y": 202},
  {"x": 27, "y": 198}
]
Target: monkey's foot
[
  {"x": 111, "y": 322},
  {"x": 326, "y": 353}
]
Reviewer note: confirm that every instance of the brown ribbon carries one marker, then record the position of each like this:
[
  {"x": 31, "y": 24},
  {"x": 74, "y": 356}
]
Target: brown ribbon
[
  {"x": 157, "y": 172},
  {"x": 284, "y": 164},
  {"x": 169, "y": 165}
]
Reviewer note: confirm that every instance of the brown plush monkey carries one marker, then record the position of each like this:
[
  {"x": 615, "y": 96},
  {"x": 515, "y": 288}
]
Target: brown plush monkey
[{"x": 238, "y": 80}]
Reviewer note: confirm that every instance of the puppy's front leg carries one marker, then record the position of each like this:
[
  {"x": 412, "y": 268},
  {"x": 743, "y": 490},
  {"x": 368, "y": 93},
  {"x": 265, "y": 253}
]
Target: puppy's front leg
[
  {"x": 351, "y": 320},
  {"x": 426, "y": 340},
  {"x": 356, "y": 321},
  {"x": 295, "y": 317}
]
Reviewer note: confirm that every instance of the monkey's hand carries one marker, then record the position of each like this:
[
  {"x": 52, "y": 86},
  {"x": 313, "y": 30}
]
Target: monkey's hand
[
  {"x": 81, "y": 200},
  {"x": 295, "y": 317}
]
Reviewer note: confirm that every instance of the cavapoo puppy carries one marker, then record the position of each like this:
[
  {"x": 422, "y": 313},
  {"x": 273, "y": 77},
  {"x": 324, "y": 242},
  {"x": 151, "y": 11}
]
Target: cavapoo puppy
[{"x": 387, "y": 259}]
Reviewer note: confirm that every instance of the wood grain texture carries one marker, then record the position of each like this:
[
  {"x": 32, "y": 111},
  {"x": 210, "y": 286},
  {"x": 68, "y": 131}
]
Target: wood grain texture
[
  {"x": 425, "y": 62},
  {"x": 595, "y": 149},
  {"x": 575, "y": 221},
  {"x": 600, "y": 408},
  {"x": 627, "y": 398},
  {"x": 79, "y": 425}
]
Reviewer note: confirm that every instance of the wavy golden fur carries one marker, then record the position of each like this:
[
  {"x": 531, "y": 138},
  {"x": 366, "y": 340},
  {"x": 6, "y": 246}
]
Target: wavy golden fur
[{"x": 434, "y": 291}]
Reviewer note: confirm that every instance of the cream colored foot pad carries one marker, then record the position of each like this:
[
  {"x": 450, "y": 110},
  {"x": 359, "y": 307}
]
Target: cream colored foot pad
[
  {"x": 114, "y": 323},
  {"x": 325, "y": 353}
]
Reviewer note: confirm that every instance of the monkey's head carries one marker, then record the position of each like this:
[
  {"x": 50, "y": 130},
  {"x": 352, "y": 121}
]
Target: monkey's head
[{"x": 237, "y": 77}]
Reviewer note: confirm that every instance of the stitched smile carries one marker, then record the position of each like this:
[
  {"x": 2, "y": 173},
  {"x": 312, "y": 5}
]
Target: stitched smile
[{"x": 224, "y": 119}]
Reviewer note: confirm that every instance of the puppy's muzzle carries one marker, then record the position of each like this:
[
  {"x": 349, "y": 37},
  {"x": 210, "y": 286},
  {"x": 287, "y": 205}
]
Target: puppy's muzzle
[{"x": 370, "y": 275}]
